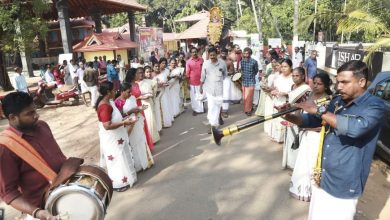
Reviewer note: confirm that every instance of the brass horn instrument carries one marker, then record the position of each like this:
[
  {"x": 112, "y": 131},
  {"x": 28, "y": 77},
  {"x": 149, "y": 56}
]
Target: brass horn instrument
[{"x": 219, "y": 134}]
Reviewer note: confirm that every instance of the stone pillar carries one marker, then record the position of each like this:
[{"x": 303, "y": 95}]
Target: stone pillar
[
  {"x": 131, "y": 18},
  {"x": 97, "y": 18},
  {"x": 42, "y": 48},
  {"x": 66, "y": 32}
]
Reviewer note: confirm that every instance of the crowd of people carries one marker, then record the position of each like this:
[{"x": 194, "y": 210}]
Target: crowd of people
[{"x": 133, "y": 105}]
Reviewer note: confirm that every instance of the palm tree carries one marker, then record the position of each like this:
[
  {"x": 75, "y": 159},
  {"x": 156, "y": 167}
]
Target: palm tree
[{"x": 360, "y": 19}]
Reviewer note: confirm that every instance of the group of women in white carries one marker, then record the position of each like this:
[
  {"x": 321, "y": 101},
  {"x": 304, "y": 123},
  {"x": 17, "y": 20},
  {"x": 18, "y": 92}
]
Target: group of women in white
[
  {"x": 284, "y": 86},
  {"x": 130, "y": 124}
]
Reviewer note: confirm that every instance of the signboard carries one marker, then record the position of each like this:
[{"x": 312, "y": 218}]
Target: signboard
[
  {"x": 150, "y": 39},
  {"x": 275, "y": 42},
  {"x": 336, "y": 57},
  {"x": 343, "y": 55},
  {"x": 65, "y": 56},
  {"x": 255, "y": 41}
]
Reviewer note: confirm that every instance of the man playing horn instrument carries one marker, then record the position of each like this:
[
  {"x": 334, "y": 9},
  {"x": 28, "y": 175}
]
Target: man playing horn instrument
[{"x": 351, "y": 126}]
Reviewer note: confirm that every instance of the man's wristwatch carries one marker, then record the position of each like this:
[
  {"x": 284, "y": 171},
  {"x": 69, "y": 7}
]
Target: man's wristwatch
[{"x": 321, "y": 110}]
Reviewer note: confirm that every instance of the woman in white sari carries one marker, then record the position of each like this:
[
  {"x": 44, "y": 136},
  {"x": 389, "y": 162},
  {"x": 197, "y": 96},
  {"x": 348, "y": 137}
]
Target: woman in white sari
[
  {"x": 301, "y": 183},
  {"x": 149, "y": 87},
  {"x": 157, "y": 98},
  {"x": 266, "y": 89},
  {"x": 127, "y": 103},
  {"x": 115, "y": 151},
  {"x": 174, "y": 77},
  {"x": 166, "y": 101},
  {"x": 299, "y": 93},
  {"x": 282, "y": 86}
]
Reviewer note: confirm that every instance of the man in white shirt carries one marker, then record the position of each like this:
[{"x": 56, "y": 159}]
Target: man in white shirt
[
  {"x": 298, "y": 58},
  {"x": 49, "y": 77},
  {"x": 121, "y": 66},
  {"x": 73, "y": 73},
  {"x": 214, "y": 71},
  {"x": 20, "y": 81}
]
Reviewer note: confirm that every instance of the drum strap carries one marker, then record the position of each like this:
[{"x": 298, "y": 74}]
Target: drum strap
[{"x": 26, "y": 152}]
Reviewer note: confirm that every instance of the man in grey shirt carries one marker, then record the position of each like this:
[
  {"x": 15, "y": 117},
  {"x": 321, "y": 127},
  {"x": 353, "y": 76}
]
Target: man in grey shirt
[{"x": 213, "y": 72}]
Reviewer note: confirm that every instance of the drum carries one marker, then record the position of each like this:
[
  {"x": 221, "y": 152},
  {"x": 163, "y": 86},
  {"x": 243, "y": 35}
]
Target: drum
[
  {"x": 236, "y": 78},
  {"x": 86, "y": 195},
  {"x": 299, "y": 94}
]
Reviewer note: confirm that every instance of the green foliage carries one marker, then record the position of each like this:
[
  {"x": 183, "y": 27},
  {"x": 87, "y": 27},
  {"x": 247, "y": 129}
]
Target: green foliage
[
  {"x": 247, "y": 21},
  {"x": 182, "y": 26},
  {"x": 116, "y": 20},
  {"x": 276, "y": 14},
  {"x": 362, "y": 21},
  {"x": 20, "y": 23}
]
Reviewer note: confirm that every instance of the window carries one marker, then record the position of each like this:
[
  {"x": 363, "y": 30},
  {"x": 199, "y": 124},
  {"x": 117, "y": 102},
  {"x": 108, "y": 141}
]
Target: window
[
  {"x": 82, "y": 33},
  {"x": 382, "y": 90},
  {"x": 75, "y": 34},
  {"x": 53, "y": 36}
]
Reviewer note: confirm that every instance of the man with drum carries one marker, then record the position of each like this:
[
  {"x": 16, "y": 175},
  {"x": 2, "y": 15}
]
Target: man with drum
[
  {"x": 352, "y": 125},
  {"x": 249, "y": 70},
  {"x": 228, "y": 84},
  {"x": 21, "y": 186}
]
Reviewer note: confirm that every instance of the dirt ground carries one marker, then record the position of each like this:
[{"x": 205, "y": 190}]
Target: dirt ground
[{"x": 76, "y": 130}]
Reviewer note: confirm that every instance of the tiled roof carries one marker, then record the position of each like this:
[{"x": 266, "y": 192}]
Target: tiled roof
[
  {"x": 195, "y": 17},
  {"x": 104, "y": 41},
  {"x": 170, "y": 36},
  {"x": 74, "y": 22},
  {"x": 198, "y": 30},
  {"x": 82, "y": 8}
]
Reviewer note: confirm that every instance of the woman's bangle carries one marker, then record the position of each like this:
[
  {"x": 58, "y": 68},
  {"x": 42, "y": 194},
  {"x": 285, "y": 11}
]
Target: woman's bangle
[{"x": 35, "y": 212}]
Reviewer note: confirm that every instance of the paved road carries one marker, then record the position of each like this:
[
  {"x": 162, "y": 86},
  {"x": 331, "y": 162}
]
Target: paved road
[{"x": 195, "y": 179}]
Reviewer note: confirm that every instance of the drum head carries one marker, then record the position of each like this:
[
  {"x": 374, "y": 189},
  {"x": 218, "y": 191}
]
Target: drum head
[
  {"x": 75, "y": 202},
  {"x": 236, "y": 77}
]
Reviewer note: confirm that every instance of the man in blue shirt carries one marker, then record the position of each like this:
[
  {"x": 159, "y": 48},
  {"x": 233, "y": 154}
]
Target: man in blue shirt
[
  {"x": 310, "y": 66},
  {"x": 353, "y": 122},
  {"x": 249, "y": 70},
  {"x": 112, "y": 75}
]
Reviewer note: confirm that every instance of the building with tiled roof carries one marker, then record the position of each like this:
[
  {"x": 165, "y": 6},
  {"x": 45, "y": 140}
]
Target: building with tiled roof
[{"x": 109, "y": 44}]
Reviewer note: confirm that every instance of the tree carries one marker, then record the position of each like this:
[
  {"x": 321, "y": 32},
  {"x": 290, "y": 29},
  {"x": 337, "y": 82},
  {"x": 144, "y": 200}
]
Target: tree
[
  {"x": 115, "y": 20},
  {"x": 20, "y": 23},
  {"x": 362, "y": 21}
]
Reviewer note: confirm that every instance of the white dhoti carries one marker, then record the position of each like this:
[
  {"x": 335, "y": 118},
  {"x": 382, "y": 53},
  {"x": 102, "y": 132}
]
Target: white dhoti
[
  {"x": 196, "y": 105},
  {"x": 324, "y": 206},
  {"x": 214, "y": 104},
  {"x": 227, "y": 93},
  {"x": 122, "y": 74},
  {"x": 236, "y": 94},
  {"x": 94, "y": 94}
]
